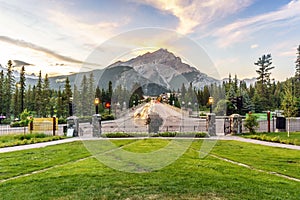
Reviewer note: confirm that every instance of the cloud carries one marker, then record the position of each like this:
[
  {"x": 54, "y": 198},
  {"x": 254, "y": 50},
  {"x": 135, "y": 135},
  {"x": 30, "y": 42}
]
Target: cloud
[
  {"x": 241, "y": 29},
  {"x": 254, "y": 46},
  {"x": 91, "y": 34},
  {"x": 29, "y": 45},
  {"x": 194, "y": 13},
  {"x": 20, "y": 63},
  {"x": 44, "y": 50}
]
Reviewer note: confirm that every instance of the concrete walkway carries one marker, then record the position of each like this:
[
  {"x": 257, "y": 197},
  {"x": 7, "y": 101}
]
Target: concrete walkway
[
  {"x": 235, "y": 138},
  {"x": 271, "y": 144}
]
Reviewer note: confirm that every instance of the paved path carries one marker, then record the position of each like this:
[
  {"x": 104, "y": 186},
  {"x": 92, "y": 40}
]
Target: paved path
[
  {"x": 37, "y": 145},
  {"x": 272, "y": 144}
]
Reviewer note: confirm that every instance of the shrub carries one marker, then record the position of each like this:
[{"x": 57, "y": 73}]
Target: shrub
[
  {"x": 106, "y": 117},
  {"x": 251, "y": 123},
  {"x": 62, "y": 120},
  {"x": 117, "y": 135}
]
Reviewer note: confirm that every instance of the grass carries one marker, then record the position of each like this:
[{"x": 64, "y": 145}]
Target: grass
[
  {"x": 189, "y": 177},
  {"x": 280, "y": 137},
  {"x": 23, "y": 139}
]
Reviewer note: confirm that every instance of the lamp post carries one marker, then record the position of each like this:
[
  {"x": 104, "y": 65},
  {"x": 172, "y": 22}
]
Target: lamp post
[
  {"x": 210, "y": 102},
  {"x": 97, "y": 101},
  {"x": 196, "y": 105}
]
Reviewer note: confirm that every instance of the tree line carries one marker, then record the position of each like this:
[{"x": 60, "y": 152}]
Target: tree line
[{"x": 232, "y": 96}]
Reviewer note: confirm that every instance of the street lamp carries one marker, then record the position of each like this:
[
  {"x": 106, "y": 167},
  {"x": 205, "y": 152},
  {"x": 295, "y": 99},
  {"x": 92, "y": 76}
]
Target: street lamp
[
  {"x": 96, "y": 102},
  {"x": 210, "y": 102}
]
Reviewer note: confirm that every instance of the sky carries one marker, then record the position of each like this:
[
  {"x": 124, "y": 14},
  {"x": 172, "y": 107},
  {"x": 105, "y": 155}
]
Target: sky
[{"x": 58, "y": 37}]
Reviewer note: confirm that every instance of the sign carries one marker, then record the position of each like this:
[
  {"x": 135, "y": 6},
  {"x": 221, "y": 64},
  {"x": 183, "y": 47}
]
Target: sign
[
  {"x": 44, "y": 124},
  {"x": 260, "y": 116},
  {"x": 70, "y": 132}
]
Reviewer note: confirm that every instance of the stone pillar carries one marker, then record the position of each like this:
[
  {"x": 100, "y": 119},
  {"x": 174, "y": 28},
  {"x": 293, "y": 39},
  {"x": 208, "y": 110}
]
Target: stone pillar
[
  {"x": 96, "y": 123},
  {"x": 211, "y": 120}
]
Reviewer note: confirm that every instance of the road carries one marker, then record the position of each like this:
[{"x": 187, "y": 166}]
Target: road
[{"x": 173, "y": 119}]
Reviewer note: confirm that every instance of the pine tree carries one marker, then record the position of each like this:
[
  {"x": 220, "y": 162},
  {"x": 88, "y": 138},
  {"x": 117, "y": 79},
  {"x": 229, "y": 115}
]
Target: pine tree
[
  {"x": 29, "y": 98},
  {"x": 16, "y": 102},
  {"x": 67, "y": 98},
  {"x": 39, "y": 96},
  {"x": 262, "y": 98},
  {"x": 84, "y": 95},
  {"x": 22, "y": 87},
  {"x": 297, "y": 74},
  {"x": 46, "y": 96},
  {"x": 8, "y": 89},
  {"x": 77, "y": 107},
  {"x": 91, "y": 94},
  {"x": 59, "y": 105}
]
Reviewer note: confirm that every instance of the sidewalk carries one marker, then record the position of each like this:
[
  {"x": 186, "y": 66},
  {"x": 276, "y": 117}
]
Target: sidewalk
[
  {"x": 271, "y": 144},
  {"x": 37, "y": 145},
  {"x": 235, "y": 138}
]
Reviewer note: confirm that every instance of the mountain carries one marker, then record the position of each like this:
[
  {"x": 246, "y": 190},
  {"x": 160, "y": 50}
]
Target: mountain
[
  {"x": 157, "y": 72},
  {"x": 30, "y": 79},
  {"x": 165, "y": 69}
]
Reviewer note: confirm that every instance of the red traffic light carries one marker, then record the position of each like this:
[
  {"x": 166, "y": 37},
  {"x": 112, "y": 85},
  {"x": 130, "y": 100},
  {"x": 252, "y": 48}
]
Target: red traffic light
[{"x": 107, "y": 105}]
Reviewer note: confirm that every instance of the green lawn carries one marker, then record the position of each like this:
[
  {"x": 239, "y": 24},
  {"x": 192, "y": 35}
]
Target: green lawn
[
  {"x": 23, "y": 139},
  {"x": 280, "y": 137},
  {"x": 74, "y": 174}
]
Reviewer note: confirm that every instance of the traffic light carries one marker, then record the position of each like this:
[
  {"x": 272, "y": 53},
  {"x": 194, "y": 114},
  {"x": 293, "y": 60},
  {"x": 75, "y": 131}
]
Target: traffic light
[{"x": 107, "y": 105}]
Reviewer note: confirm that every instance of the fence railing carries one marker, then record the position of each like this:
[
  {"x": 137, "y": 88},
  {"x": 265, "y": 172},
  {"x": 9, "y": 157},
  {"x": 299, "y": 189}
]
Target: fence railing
[
  {"x": 197, "y": 126},
  {"x": 6, "y": 129}
]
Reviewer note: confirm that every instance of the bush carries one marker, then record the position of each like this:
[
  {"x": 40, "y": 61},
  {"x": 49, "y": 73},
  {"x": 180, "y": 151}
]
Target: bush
[
  {"x": 62, "y": 120},
  {"x": 106, "y": 117},
  {"x": 117, "y": 135},
  {"x": 6, "y": 121},
  {"x": 251, "y": 123}
]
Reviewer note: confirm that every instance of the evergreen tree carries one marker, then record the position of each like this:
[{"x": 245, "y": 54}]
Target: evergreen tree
[
  {"x": 67, "y": 98},
  {"x": 29, "y": 98},
  {"x": 59, "y": 105},
  {"x": 39, "y": 96},
  {"x": 84, "y": 94},
  {"x": 297, "y": 74},
  {"x": 77, "y": 106},
  {"x": 262, "y": 98},
  {"x": 46, "y": 96},
  {"x": 8, "y": 89},
  {"x": 183, "y": 91},
  {"x": 91, "y": 94},
  {"x": 22, "y": 87},
  {"x": 16, "y": 102}
]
